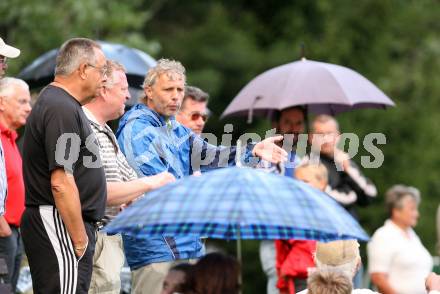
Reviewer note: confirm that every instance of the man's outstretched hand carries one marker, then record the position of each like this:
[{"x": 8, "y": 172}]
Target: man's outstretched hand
[{"x": 269, "y": 151}]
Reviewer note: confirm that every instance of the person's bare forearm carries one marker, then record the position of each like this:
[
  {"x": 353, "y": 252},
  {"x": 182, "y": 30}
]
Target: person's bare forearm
[
  {"x": 122, "y": 192},
  {"x": 67, "y": 202},
  {"x": 5, "y": 229},
  {"x": 381, "y": 281}
]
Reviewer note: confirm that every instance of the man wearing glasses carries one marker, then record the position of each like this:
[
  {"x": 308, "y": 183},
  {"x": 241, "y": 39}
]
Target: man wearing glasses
[
  {"x": 123, "y": 185},
  {"x": 64, "y": 179},
  {"x": 194, "y": 111},
  {"x": 6, "y": 51}
]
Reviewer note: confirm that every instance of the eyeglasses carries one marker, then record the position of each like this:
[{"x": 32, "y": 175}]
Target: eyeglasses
[
  {"x": 102, "y": 70},
  {"x": 197, "y": 115},
  {"x": 3, "y": 59}
]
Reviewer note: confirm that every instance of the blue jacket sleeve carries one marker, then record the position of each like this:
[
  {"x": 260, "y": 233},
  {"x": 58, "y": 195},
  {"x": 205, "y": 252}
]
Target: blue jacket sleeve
[{"x": 205, "y": 156}]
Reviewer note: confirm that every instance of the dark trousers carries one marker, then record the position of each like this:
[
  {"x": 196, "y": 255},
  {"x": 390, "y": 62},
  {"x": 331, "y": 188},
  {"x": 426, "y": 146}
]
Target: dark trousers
[
  {"x": 49, "y": 249},
  {"x": 300, "y": 284},
  {"x": 11, "y": 250}
]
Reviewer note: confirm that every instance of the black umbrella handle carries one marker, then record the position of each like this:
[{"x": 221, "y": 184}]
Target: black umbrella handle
[{"x": 251, "y": 110}]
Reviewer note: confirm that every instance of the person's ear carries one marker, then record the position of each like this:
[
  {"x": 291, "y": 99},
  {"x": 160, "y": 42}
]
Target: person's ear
[
  {"x": 82, "y": 71},
  {"x": 358, "y": 265},
  {"x": 103, "y": 92},
  {"x": 323, "y": 185},
  {"x": 148, "y": 92}
]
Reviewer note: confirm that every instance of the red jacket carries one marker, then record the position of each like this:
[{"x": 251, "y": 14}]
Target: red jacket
[
  {"x": 15, "y": 198},
  {"x": 293, "y": 258}
]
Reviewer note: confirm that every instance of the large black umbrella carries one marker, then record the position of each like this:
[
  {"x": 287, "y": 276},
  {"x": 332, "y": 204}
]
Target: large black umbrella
[{"x": 41, "y": 71}]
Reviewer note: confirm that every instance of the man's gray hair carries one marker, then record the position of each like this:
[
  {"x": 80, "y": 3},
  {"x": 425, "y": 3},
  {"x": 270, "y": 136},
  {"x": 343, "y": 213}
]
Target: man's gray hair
[
  {"x": 395, "y": 195},
  {"x": 8, "y": 84},
  {"x": 112, "y": 66},
  {"x": 74, "y": 52},
  {"x": 163, "y": 66}
]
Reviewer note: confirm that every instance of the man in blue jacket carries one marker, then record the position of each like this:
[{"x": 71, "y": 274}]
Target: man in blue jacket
[{"x": 153, "y": 142}]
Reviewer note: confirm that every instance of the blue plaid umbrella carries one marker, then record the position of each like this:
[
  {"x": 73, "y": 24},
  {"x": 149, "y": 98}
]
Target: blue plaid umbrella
[{"x": 238, "y": 203}]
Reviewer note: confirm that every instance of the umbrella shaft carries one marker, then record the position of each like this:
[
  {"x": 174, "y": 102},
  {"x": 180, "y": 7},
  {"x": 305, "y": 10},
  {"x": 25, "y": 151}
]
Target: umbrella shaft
[{"x": 239, "y": 258}]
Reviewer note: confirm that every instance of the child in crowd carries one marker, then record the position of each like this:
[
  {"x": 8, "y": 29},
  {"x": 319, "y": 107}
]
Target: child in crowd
[
  {"x": 216, "y": 273},
  {"x": 295, "y": 257},
  {"x": 178, "y": 279},
  {"x": 327, "y": 282}
]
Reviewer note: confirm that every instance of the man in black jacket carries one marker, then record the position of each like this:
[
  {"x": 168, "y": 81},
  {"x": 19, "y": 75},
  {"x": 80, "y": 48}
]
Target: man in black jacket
[{"x": 347, "y": 184}]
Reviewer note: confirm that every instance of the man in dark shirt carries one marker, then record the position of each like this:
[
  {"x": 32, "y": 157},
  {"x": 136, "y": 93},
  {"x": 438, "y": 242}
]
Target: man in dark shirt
[
  {"x": 347, "y": 184},
  {"x": 289, "y": 122},
  {"x": 64, "y": 178}
]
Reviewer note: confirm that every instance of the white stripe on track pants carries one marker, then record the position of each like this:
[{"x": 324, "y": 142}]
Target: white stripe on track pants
[{"x": 49, "y": 249}]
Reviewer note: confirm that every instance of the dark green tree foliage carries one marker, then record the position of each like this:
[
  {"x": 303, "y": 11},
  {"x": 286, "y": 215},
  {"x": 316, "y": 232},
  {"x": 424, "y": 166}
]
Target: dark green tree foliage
[
  {"x": 395, "y": 44},
  {"x": 38, "y": 26}
]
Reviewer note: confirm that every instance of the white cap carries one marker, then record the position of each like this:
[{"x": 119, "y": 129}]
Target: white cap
[{"x": 8, "y": 51}]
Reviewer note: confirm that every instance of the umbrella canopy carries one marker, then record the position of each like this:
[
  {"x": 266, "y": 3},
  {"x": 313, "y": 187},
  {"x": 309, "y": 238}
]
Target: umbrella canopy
[
  {"x": 41, "y": 71},
  {"x": 323, "y": 87},
  {"x": 238, "y": 203}
]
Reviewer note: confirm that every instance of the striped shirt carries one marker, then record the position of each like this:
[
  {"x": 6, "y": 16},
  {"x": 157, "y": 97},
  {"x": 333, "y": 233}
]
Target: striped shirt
[
  {"x": 115, "y": 164},
  {"x": 3, "y": 181}
]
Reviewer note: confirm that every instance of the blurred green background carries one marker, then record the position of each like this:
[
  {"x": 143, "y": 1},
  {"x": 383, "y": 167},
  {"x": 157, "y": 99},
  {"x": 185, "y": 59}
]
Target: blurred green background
[{"x": 224, "y": 44}]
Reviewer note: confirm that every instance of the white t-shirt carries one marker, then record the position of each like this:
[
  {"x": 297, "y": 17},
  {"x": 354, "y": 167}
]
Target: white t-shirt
[
  {"x": 401, "y": 256},
  {"x": 355, "y": 291}
]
